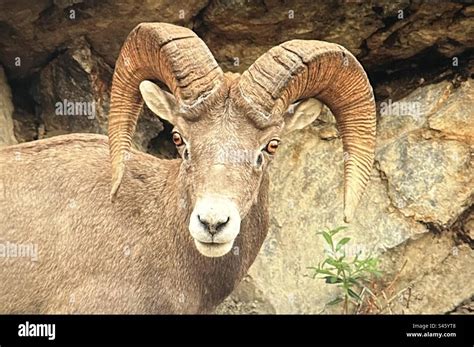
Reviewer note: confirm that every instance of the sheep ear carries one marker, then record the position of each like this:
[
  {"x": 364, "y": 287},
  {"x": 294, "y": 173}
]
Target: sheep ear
[
  {"x": 162, "y": 103},
  {"x": 301, "y": 114}
]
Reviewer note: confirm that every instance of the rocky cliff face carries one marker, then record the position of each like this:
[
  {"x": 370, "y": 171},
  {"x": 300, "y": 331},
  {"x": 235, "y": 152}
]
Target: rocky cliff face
[
  {"x": 417, "y": 209},
  {"x": 419, "y": 56}
]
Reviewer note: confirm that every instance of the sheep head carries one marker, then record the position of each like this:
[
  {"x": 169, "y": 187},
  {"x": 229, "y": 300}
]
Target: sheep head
[{"x": 227, "y": 127}]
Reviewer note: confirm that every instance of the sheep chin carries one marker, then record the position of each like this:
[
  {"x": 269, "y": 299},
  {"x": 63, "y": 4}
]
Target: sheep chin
[{"x": 213, "y": 250}]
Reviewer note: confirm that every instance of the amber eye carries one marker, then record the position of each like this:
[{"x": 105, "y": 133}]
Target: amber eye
[
  {"x": 272, "y": 146},
  {"x": 177, "y": 139}
]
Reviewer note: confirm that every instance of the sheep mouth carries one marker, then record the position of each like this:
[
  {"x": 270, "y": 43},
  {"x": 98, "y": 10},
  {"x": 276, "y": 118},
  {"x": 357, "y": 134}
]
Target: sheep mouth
[{"x": 213, "y": 249}]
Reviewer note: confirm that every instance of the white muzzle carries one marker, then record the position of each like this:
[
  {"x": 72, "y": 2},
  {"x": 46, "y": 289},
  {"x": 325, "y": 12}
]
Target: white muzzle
[{"x": 214, "y": 225}]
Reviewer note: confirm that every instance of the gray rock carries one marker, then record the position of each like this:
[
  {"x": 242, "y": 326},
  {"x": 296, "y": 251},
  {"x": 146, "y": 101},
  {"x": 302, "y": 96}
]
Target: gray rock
[
  {"x": 306, "y": 197},
  {"x": 33, "y": 31},
  {"x": 429, "y": 173},
  {"x": 422, "y": 176},
  {"x": 454, "y": 115},
  {"x": 421, "y": 25},
  {"x": 429, "y": 179},
  {"x": 7, "y": 136},
  {"x": 376, "y": 31},
  {"x": 74, "y": 92},
  {"x": 438, "y": 275}
]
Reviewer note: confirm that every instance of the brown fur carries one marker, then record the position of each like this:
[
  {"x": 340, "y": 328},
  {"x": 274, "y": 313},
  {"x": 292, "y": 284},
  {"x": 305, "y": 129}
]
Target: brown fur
[
  {"x": 135, "y": 255},
  {"x": 62, "y": 186}
]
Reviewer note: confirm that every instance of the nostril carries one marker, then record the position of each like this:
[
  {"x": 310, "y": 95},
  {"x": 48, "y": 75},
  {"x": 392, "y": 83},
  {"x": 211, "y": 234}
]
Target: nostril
[
  {"x": 203, "y": 222},
  {"x": 210, "y": 227},
  {"x": 219, "y": 225}
]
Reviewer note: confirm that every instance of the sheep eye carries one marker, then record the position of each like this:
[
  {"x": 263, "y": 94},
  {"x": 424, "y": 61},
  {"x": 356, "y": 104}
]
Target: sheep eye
[
  {"x": 272, "y": 146},
  {"x": 177, "y": 139}
]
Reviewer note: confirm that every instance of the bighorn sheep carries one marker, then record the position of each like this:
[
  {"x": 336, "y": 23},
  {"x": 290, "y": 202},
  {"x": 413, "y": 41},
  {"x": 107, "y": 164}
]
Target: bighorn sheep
[{"x": 170, "y": 236}]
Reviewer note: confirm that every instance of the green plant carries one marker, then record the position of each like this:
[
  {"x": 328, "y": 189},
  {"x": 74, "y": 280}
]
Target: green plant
[{"x": 351, "y": 275}]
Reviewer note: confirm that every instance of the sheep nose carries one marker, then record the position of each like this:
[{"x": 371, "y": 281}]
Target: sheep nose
[
  {"x": 214, "y": 220},
  {"x": 213, "y": 225}
]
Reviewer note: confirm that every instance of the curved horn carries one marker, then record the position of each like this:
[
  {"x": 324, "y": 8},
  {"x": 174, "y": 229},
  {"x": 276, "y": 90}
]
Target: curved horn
[
  {"x": 157, "y": 51},
  {"x": 301, "y": 69}
]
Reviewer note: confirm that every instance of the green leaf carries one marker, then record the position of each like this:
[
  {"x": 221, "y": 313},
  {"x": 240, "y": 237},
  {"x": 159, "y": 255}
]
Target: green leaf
[
  {"x": 332, "y": 279},
  {"x": 328, "y": 239},
  {"x": 338, "y": 229},
  {"x": 335, "y": 301},
  {"x": 342, "y": 243},
  {"x": 349, "y": 274},
  {"x": 353, "y": 280},
  {"x": 341, "y": 258},
  {"x": 323, "y": 272},
  {"x": 333, "y": 262},
  {"x": 342, "y": 266},
  {"x": 354, "y": 294}
]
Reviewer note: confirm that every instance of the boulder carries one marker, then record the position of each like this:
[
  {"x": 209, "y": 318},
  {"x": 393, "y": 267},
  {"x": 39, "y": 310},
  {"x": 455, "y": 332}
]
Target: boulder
[
  {"x": 32, "y": 32},
  {"x": 438, "y": 275},
  {"x": 73, "y": 93},
  {"x": 426, "y": 152},
  {"x": 423, "y": 178}
]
